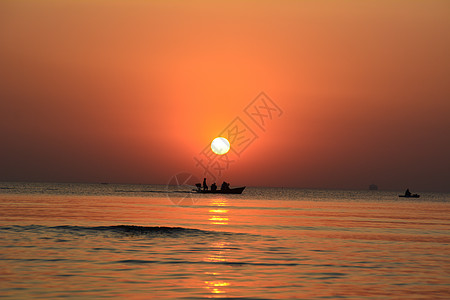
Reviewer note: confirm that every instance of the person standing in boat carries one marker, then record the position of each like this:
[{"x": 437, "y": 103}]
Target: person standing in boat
[
  {"x": 213, "y": 187},
  {"x": 205, "y": 186},
  {"x": 407, "y": 193}
]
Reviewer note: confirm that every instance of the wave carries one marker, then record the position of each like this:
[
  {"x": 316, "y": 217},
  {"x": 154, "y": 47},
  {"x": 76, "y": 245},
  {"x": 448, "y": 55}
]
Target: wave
[
  {"x": 228, "y": 263},
  {"x": 125, "y": 230}
]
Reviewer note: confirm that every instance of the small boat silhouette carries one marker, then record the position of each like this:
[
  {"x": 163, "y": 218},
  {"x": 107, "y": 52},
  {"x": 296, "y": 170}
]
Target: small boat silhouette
[
  {"x": 237, "y": 190},
  {"x": 373, "y": 187},
  {"x": 409, "y": 195}
]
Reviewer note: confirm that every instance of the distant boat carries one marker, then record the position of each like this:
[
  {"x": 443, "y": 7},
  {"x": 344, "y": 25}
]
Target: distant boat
[
  {"x": 237, "y": 190},
  {"x": 410, "y": 196},
  {"x": 373, "y": 187}
]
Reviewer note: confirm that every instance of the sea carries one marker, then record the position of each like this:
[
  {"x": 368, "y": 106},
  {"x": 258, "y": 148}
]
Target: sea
[{"x": 111, "y": 241}]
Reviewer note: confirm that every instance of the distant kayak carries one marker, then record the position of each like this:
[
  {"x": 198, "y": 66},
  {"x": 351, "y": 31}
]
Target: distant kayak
[
  {"x": 409, "y": 196},
  {"x": 237, "y": 190}
]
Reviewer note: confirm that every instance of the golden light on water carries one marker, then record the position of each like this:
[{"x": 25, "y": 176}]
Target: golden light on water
[
  {"x": 218, "y": 216},
  {"x": 214, "y": 286},
  {"x": 219, "y": 220},
  {"x": 217, "y": 285},
  {"x": 218, "y": 211},
  {"x": 219, "y": 202}
]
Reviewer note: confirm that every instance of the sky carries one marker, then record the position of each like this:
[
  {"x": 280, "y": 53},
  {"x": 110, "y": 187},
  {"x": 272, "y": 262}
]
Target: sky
[{"x": 134, "y": 91}]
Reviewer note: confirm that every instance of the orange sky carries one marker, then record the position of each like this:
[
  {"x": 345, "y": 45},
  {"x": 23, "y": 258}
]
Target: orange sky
[{"x": 131, "y": 91}]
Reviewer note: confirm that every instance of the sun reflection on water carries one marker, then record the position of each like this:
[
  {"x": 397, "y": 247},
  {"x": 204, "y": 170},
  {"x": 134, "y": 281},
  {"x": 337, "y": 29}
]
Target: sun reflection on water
[
  {"x": 218, "y": 211},
  {"x": 218, "y": 254},
  {"x": 219, "y": 202},
  {"x": 219, "y": 220},
  {"x": 218, "y": 216},
  {"x": 216, "y": 286}
]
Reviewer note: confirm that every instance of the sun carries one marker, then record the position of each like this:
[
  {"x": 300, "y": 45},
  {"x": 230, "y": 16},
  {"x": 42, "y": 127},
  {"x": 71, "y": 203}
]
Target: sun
[{"x": 220, "y": 145}]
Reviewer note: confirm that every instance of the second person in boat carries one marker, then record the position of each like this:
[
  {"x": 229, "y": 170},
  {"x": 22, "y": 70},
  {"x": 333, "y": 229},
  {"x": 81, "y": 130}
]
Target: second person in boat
[{"x": 225, "y": 186}]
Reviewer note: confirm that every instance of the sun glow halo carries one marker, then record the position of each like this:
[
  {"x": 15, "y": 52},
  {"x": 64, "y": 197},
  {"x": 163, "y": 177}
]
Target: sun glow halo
[{"x": 220, "y": 145}]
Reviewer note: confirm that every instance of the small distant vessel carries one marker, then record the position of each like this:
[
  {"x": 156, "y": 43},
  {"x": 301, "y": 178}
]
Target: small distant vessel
[
  {"x": 409, "y": 195},
  {"x": 373, "y": 187},
  {"x": 237, "y": 190}
]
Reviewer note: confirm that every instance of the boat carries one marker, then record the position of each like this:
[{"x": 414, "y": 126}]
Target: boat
[
  {"x": 410, "y": 196},
  {"x": 373, "y": 187},
  {"x": 237, "y": 190}
]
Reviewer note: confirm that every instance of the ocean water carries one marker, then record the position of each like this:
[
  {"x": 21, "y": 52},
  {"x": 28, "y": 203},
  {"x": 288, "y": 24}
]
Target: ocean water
[{"x": 96, "y": 241}]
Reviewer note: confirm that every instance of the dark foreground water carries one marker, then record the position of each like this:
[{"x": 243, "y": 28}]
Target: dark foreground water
[{"x": 140, "y": 242}]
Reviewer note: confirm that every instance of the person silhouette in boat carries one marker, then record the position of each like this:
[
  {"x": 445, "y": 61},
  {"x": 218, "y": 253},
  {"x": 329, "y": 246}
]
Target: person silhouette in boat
[
  {"x": 213, "y": 187},
  {"x": 407, "y": 193},
  {"x": 205, "y": 186},
  {"x": 225, "y": 186}
]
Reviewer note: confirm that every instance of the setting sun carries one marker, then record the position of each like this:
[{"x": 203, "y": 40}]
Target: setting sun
[{"x": 220, "y": 145}]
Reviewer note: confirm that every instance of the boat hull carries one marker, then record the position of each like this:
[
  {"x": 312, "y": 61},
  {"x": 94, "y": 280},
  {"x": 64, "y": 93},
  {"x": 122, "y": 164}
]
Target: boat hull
[
  {"x": 412, "y": 196},
  {"x": 238, "y": 190}
]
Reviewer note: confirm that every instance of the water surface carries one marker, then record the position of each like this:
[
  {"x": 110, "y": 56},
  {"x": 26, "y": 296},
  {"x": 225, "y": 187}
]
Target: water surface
[{"x": 134, "y": 242}]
